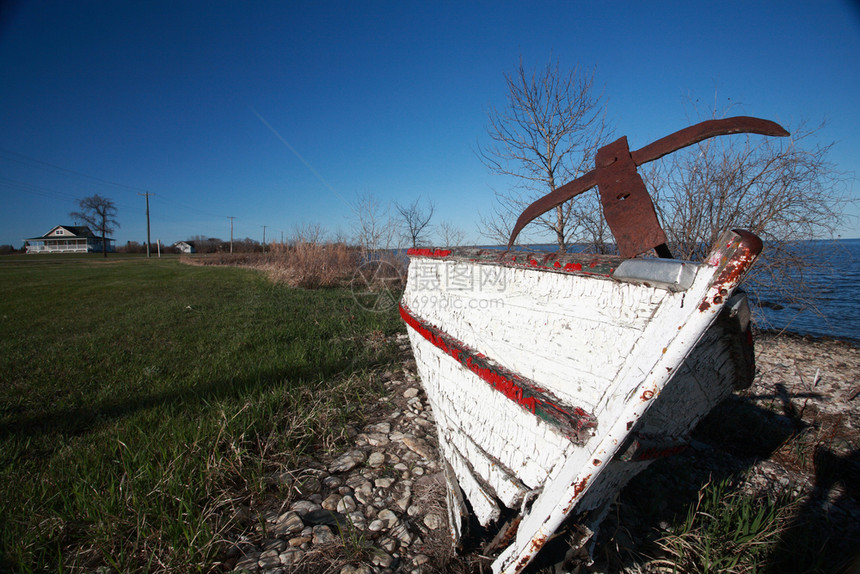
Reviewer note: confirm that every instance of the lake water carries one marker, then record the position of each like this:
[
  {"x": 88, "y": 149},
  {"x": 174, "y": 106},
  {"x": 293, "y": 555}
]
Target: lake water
[{"x": 837, "y": 291}]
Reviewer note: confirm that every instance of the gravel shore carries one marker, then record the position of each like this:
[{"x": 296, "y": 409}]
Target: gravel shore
[
  {"x": 794, "y": 433},
  {"x": 379, "y": 507}
]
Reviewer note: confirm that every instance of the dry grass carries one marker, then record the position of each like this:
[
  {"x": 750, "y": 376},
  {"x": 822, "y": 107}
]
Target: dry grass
[
  {"x": 310, "y": 265},
  {"x": 306, "y": 265}
]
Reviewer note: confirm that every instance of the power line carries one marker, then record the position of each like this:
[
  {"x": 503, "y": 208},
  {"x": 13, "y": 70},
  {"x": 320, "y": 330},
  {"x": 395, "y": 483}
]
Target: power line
[
  {"x": 25, "y": 158},
  {"x": 45, "y": 192},
  {"x": 35, "y": 189},
  {"x": 180, "y": 205},
  {"x": 31, "y": 188}
]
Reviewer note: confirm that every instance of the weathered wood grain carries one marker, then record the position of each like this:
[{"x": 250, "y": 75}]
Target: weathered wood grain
[{"x": 590, "y": 343}]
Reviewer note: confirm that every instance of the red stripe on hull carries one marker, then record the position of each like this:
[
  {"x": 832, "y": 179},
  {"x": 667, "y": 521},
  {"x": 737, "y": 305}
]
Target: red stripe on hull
[{"x": 574, "y": 422}]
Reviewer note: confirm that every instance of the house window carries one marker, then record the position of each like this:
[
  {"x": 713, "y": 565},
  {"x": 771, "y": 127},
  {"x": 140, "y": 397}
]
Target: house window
[{"x": 58, "y": 232}]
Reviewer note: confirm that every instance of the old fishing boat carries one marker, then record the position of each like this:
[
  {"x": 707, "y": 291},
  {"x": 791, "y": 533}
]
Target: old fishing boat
[{"x": 556, "y": 378}]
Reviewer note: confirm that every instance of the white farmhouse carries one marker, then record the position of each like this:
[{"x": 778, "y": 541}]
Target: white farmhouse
[
  {"x": 68, "y": 239},
  {"x": 185, "y": 246}
]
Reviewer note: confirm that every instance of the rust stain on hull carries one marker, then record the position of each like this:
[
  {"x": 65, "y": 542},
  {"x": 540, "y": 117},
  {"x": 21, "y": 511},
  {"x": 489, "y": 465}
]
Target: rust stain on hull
[{"x": 739, "y": 256}]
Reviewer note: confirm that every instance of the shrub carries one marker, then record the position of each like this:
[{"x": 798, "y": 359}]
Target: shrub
[{"x": 303, "y": 264}]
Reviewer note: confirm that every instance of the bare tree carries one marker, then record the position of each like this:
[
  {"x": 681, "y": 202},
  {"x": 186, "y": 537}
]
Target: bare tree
[
  {"x": 783, "y": 190},
  {"x": 312, "y": 233},
  {"x": 374, "y": 228},
  {"x": 99, "y": 213},
  {"x": 450, "y": 235},
  {"x": 416, "y": 220},
  {"x": 339, "y": 236},
  {"x": 204, "y": 244},
  {"x": 546, "y": 135}
]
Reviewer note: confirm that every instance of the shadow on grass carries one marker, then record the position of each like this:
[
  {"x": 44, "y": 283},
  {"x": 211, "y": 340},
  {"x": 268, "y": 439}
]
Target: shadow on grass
[
  {"x": 823, "y": 534},
  {"x": 77, "y": 421}
]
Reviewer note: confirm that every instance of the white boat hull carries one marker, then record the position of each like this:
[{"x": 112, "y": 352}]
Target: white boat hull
[{"x": 554, "y": 383}]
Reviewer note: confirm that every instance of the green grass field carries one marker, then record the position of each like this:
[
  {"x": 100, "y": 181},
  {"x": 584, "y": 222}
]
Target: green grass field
[{"x": 140, "y": 398}]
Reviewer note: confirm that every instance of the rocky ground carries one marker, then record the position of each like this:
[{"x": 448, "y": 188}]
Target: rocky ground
[
  {"x": 380, "y": 507},
  {"x": 377, "y": 508},
  {"x": 794, "y": 433}
]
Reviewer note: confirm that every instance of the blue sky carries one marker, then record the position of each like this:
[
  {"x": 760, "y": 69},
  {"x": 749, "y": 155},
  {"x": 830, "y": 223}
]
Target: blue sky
[{"x": 278, "y": 114}]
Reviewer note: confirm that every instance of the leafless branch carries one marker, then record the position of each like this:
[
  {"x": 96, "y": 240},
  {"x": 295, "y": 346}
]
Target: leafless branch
[
  {"x": 373, "y": 226},
  {"x": 100, "y": 214},
  {"x": 546, "y": 135},
  {"x": 783, "y": 190},
  {"x": 450, "y": 235},
  {"x": 416, "y": 220}
]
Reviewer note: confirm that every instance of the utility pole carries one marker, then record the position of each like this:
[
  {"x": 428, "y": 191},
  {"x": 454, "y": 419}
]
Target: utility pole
[
  {"x": 264, "y": 238},
  {"x": 147, "y": 194},
  {"x": 231, "y": 233}
]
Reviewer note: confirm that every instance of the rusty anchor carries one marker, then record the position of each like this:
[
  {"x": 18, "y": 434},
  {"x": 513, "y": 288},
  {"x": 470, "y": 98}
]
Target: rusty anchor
[{"x": 627, "y": 207}]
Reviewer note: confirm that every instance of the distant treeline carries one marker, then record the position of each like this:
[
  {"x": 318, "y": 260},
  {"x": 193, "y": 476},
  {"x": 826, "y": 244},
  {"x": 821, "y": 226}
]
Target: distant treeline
[{"x": 200, "y": 244}]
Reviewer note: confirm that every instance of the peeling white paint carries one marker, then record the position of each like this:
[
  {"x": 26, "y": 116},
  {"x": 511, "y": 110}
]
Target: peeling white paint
[{"x": 595, "y": 343}]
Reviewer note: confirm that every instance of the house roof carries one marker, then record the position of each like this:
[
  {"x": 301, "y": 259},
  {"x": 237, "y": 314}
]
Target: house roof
[{"x": 74, "y": 231}]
